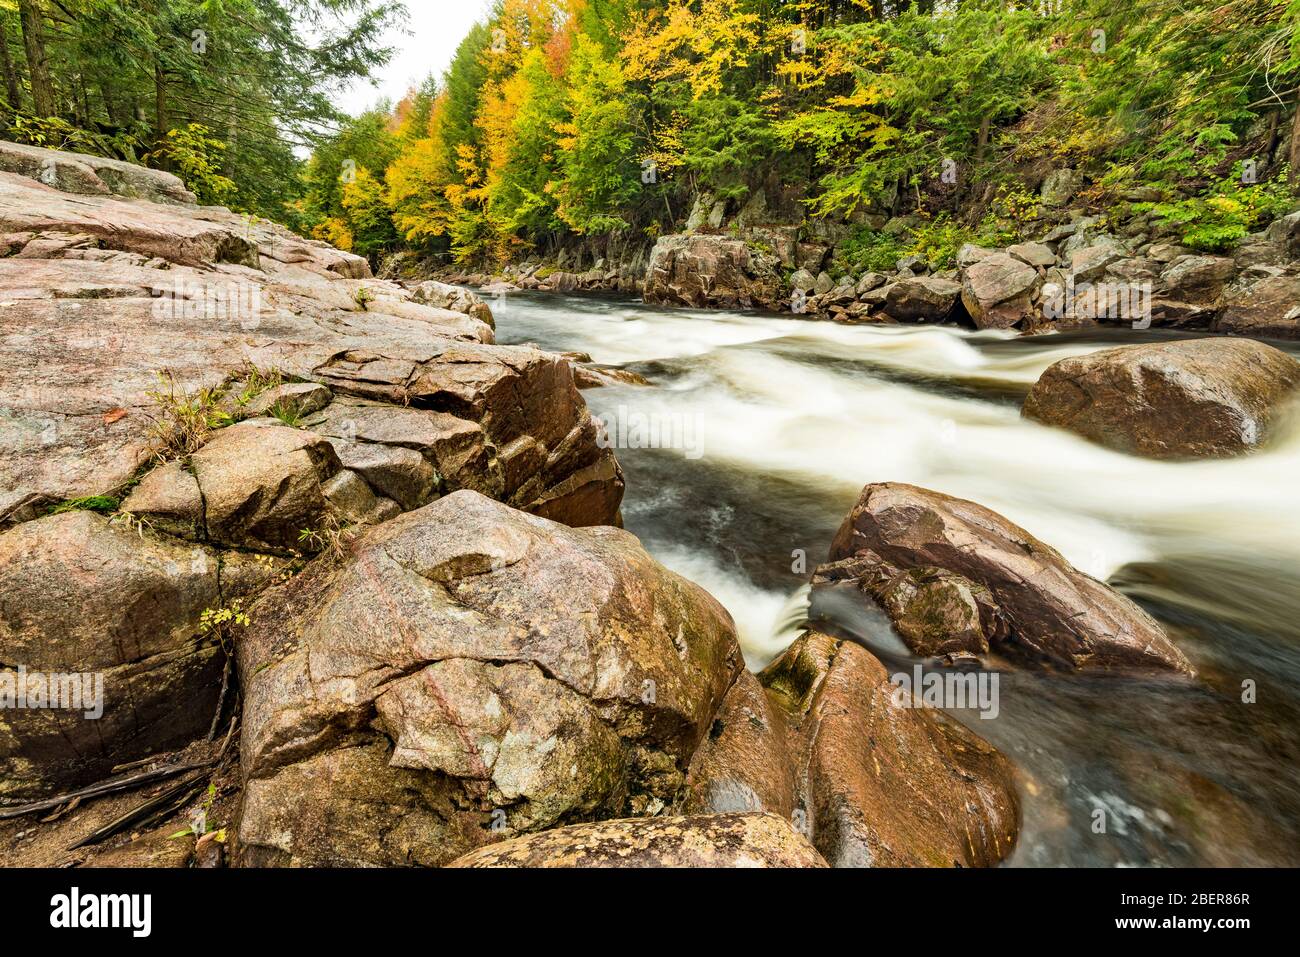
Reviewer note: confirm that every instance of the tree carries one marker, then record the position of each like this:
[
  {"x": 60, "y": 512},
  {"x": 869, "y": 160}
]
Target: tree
[{"x": 38, "y": 70}]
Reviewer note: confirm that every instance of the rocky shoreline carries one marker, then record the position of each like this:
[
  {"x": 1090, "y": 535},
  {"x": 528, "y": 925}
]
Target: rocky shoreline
[
  {"x": 1085, "y": 270},
  {"x": 352, "y": 574}
]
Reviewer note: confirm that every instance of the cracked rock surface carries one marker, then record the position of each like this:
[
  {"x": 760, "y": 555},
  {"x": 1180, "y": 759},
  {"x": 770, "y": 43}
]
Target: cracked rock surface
[
  {"x": 374, "y": 402},
  {"x": 467, "y": 673}
]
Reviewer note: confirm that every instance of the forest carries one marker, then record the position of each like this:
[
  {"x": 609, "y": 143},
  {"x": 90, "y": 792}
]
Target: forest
[{"x": 564, "y": 119}]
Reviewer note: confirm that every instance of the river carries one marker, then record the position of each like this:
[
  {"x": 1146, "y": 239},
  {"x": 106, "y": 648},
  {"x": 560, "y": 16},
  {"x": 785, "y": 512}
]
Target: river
[{"x": 781, "y": 422}]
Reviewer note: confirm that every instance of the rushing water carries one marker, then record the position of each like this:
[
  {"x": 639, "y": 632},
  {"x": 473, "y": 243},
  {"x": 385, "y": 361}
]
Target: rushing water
[{"x": 783, "y": 421}]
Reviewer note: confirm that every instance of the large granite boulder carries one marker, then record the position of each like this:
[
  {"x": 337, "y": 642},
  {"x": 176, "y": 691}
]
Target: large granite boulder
[
  {"x": 1041, "y": 607},
  {"x": 710, "y": 840},
  {"x": 136, "y": 328},
  {"x": 468, "y": 672},
  {"x": 708, "y": 270},
  {"x": 1171, "y": 400},
  {"x": 921, "y": 299}
]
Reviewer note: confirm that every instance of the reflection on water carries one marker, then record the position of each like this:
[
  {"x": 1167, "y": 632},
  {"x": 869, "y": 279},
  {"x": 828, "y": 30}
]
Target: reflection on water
[{"x": 795, "y": 417}]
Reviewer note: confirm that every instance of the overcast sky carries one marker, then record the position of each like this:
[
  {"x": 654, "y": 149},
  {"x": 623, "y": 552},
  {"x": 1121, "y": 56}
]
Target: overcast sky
[{"x": 436, "y": 28}]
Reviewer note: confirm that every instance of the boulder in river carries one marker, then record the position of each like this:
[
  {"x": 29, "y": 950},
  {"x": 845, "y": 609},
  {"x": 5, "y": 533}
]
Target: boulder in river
[
  {"x": 1051, "y": 610},
  {"x": 827, "y": 741},
  {"x": 1170, "y": 400},
  {"x": 921, "y": 298},
  {"x": 709, "y": 840},
  {"x": 883, "y": 783}
]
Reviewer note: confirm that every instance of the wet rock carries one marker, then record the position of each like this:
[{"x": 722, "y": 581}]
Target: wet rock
[
  {"x": 882, "y": 783},
  {"x": 717, "y": 840},
  {"x": 593, "y": 376},
  {"x": 938, "y": 613},
  {"x": 1174, "y": 400},
  {"x": 997, "y": 291},
  {"x": 745, "y": 763},
  {"x": 1051, "y": 609},
  {"x": 924, "y": 298},
  {"x": 470, "y": 672}
]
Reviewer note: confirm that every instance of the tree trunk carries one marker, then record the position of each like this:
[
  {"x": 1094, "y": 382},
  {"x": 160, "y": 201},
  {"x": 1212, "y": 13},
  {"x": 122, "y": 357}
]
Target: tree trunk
[
  {"x": 1294, "y": 178},
  {"x": 11, "y": 76},
  {"x": 160, "y": 114},
  {"x": 38, "y": 68}
]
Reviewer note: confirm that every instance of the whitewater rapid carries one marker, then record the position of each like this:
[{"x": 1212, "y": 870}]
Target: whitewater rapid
[{"x": 789, "y": 419}]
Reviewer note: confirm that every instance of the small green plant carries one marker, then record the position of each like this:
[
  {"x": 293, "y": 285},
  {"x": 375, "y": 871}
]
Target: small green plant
[
  {"x": 197, "y": 157},
  {"x": 363, "y": 297},
  {"x": 255, "y": 381},
  {"x": 332, "y": 538},
  {"x": 1223, "y": 215},
  {"x": 938, "y": 241},
  {"x": 287, "y": 413},
  {"x": 183, "y": 421},
  {"x": 221, "y": 623},
  {"x": 104, "y": 504}
]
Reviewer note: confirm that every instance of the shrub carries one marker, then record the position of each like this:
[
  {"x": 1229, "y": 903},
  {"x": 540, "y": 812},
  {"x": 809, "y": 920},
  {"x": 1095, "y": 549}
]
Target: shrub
[{"x": 1223, "y": 215}]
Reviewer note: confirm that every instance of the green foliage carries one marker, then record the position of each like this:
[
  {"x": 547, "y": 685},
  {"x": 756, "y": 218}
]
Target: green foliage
[
  {"x": 103, "y": 504},
  {"x": 196, "y": 156},
  {"x": 1221, "y": 217},
  {"x": 868, "y": 249}
]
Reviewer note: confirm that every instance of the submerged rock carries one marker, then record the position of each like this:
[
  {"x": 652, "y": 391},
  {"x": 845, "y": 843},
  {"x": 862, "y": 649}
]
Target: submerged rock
[{"x": 1171, "y": 400}]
